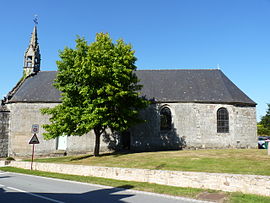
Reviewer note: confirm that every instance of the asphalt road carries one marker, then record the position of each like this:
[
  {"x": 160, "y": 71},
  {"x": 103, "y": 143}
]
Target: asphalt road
[{"x": 25, "y": 188}]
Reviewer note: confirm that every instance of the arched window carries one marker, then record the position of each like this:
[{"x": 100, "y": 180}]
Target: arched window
[
  {"x": 222, "y": 120},
  {"x": 165, "y": 119}
]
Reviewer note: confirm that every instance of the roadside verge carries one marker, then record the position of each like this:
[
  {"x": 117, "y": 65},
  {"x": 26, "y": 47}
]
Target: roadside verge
[{"x": 248, "y": 184}]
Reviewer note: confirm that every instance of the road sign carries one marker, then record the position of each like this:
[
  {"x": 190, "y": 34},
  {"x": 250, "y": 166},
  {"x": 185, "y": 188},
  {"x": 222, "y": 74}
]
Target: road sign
[
  {"x": 35, "y": 128},
  {"x": 34, "y": 140}
]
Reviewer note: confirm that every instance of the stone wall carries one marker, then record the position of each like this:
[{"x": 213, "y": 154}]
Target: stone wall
[
  {"x": 4, "y": 129},
  {"x": 195, "y": 125},
  {"x": 253, "y": 184},
  {"x": 24, "y": 115}
]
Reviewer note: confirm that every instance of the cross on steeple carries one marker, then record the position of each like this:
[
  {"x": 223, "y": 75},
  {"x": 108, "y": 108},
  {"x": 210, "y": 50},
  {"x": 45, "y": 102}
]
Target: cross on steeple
[
  {"x": 35, "y": 20},
  {"x": 32, "y": 54}
]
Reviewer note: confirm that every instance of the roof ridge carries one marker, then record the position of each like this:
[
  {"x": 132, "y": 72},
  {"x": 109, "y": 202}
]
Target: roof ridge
[
  {"x": 209, "y": 69},
  {"x": 48, "y": 71}
]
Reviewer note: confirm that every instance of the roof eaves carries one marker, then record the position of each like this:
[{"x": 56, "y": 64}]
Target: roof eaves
[{"x": 208, "y": 102}]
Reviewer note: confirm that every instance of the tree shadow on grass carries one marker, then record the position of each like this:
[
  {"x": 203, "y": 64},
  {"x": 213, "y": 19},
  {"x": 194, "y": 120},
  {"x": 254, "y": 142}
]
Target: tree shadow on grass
[
  {"x": 114, "y": 154},
  {"x": 81, "y": 157}
]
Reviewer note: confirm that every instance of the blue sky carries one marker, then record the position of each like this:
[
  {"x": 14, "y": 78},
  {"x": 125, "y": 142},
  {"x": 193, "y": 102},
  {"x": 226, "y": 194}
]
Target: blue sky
[{"x": 166, "y": 34}]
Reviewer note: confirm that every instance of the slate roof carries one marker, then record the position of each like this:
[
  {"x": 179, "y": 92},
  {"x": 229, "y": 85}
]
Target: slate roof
[
  {"x": 37, "y": 88},
  {"x": 176, "y": 85},
  {"x": 202, "y": 86}
]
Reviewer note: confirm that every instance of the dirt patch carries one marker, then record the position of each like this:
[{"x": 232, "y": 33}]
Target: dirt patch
[{"x": 213, "y": 197}]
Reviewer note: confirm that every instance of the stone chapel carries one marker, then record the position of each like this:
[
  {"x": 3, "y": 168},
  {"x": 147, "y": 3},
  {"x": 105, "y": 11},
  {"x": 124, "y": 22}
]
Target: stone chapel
[{"x": 191, "y": 108}]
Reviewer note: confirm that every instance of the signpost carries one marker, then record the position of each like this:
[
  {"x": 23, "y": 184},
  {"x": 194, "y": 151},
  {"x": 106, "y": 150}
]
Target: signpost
[
  {"x": 34, "y": 140},
  {"x": 35, "y": 128}
]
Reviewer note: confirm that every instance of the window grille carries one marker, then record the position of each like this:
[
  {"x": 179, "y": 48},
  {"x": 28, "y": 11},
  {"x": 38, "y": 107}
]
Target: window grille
[{"x": 222, "y": 120}]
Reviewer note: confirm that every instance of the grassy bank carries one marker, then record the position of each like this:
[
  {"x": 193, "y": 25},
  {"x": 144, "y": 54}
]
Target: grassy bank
[
  {"x": 141, "y": 186},
  {"x": 236, "y": 161}
]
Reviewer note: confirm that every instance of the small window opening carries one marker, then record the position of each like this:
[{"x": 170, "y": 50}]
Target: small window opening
[{"x": 29, "y": 64}]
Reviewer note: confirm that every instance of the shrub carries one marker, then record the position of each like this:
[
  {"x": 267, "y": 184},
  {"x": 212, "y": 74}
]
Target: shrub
[{"x": 262, "y": 131}]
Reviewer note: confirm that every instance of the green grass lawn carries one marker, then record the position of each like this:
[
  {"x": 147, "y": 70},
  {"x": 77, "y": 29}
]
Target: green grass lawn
[{"x": 236, "y": 161}]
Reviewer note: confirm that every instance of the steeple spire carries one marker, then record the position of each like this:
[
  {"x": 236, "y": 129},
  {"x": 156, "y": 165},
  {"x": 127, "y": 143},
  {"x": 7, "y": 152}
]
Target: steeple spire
[
  {"x": 33, "y": 40},
  {"x": 32, "y": 54}
]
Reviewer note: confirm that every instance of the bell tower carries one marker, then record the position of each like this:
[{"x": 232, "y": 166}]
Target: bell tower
[{"x": 32, "y": 55}]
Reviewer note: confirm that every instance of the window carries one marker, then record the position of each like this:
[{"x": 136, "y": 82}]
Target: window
[
  {"x": 222, "y": 120},
  {"x": 165, "y": 119},
  {"x": 29, "y": 64},
  {"x": 29, "y": 61}
]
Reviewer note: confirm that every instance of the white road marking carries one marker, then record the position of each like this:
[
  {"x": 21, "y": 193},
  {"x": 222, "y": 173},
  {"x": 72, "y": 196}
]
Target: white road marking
[
  {"x": 2, "y": 173},
  {"x": 2, "y": 185},
  {"x": 42, "y": 197},
  {"x": 117, "y": 189}
]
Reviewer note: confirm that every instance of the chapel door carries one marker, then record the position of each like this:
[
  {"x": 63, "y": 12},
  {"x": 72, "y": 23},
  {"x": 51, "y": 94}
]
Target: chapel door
[
  {"x": 61, "y": 143},
  {"x": 126, "y": 140}
]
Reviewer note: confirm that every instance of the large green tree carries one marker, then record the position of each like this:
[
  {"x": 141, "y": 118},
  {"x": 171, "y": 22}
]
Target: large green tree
[{"x": 99, "y": 88}]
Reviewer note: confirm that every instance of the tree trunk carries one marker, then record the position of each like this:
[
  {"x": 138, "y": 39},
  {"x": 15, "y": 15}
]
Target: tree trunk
[{"x": 97, "y": 143}]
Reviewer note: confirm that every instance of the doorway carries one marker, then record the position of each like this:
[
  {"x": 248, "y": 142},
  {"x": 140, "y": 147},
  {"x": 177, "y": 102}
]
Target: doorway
[
  {"x": 61, "y": 143},
  {"x": 125, "y": 138}
]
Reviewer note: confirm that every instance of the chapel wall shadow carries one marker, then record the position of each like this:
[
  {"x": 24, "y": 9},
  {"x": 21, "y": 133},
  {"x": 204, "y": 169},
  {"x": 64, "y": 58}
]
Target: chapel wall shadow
[{"x": 146, "y": 136}]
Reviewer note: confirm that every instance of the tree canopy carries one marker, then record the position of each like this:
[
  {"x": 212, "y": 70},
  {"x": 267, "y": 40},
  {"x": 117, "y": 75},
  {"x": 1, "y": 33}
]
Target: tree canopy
[
  {"x": 99, "y": 88},
  {"x": 264, "y": 124},
  {"x": 265, "y": 120}
]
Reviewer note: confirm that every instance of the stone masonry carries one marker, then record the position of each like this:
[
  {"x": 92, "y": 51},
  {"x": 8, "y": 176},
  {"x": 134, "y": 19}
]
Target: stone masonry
[
  {"x": 4, "y": 128},
  {"x": 195, "y": 124},
  {"x": 24, "y": 115},
  {"x": 252, "y": 184}
]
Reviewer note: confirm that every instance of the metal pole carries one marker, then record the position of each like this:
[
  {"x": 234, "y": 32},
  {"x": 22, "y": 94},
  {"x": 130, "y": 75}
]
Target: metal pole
[{"x": 33, "y": 149}]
